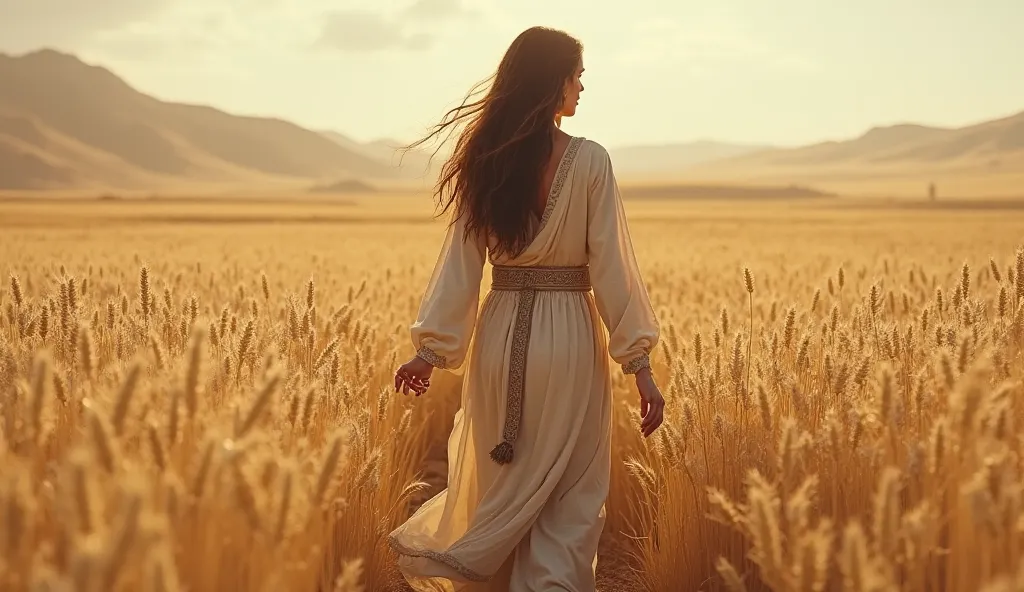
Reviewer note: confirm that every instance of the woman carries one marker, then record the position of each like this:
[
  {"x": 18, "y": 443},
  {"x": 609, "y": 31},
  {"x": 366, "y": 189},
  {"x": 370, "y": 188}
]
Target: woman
[{"x": 529, "y": 454}]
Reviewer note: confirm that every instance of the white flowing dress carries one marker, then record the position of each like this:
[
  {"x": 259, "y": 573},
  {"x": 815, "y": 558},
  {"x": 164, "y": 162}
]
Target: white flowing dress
[{"x": 532, "y": 524}]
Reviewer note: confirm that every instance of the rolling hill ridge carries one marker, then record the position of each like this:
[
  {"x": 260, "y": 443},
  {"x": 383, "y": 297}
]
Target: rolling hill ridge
[
  {"x": 985, "y": 144},
  {"x": 64, "y": 123},
  {"x": 983, "y": 159}
]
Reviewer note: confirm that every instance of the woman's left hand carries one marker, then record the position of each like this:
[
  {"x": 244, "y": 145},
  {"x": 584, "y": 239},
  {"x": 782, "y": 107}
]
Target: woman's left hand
[{"x": 415, "y": 375}]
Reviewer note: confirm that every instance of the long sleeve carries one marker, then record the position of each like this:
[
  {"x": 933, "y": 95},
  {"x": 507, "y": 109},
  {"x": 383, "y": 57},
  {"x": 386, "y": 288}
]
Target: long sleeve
[
  {"x": 448, "y": 310},
  {"x": 619, "y": 291}
]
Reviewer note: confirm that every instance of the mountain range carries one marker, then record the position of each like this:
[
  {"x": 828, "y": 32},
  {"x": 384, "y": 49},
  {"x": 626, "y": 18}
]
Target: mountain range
[
  {"x": 986, "y": 144},
  {"x": 983, "y": 159},
  {"x": 65, "y": 124}
]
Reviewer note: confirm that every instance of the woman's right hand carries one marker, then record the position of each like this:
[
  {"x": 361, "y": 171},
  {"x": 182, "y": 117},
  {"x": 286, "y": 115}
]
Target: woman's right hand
[
  {"x": 652, "y": 404},
  {"x": 415, "y": 375}
]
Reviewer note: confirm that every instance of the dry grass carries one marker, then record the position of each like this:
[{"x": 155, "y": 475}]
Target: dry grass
[{"x": 206, "y": 406}]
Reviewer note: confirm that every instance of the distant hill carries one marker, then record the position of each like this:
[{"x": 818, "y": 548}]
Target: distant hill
[
  {"x": 980, "y": 160},
  {"x": 64, "y": 124},
  {"x": 670, "y": 158},
  {"x": 346, "y": 186},
  {"x": 989, "y": 145},
  {"x": 414, "y": 164},
  {"x": 345, "y": 142}
]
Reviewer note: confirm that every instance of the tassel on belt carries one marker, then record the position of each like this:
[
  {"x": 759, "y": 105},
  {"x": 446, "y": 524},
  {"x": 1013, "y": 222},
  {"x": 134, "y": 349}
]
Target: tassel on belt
[{"x": 527, "y": 281}]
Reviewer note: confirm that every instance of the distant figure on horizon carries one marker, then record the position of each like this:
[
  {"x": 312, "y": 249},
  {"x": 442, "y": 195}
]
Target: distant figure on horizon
[
  {"x": 530, "y": 452},
  {"x": 931, "y": 191}
]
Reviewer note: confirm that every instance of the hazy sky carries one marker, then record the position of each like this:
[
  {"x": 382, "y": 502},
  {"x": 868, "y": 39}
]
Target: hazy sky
[{"x": 781, "y": 71}]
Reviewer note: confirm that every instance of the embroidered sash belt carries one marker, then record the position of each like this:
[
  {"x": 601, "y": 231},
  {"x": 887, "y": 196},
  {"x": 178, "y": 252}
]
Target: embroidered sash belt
[{"x": 527, "y": 281}]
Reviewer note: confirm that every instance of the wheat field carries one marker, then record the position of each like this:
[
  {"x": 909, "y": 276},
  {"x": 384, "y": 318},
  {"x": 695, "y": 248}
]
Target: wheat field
[{"x": 198, "y": 396}]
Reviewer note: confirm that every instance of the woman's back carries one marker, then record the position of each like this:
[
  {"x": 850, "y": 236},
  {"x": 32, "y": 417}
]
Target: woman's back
[
  {"x": 559, "y": 146},
  {"x": 559, "y": 230}
]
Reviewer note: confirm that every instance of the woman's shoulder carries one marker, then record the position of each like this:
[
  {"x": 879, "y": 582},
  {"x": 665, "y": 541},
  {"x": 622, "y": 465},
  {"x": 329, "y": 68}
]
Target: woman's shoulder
[
  {"x": 594, "y": 156},
  {"x": 592, "y": 147}
]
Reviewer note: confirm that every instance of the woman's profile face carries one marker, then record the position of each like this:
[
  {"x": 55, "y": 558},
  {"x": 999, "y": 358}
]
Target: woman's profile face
[{"x": 573, "y": 88}]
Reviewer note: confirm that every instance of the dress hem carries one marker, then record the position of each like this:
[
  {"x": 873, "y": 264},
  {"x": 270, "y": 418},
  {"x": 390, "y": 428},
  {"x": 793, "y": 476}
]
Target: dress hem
[{"x": 445, "y": 558}]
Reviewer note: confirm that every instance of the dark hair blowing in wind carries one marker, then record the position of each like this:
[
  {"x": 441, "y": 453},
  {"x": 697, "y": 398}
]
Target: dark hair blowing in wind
[{"x": 494, "y": 176}]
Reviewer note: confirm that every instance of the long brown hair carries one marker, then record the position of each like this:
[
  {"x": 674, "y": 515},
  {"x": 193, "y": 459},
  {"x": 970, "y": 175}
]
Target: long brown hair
[{"x": 494, "y": 175}]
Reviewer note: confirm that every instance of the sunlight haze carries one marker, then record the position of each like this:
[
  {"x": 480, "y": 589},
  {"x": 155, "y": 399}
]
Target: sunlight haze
[
  {"x": 785, "y": 73},
  {"x": 767, "y": 321}
]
